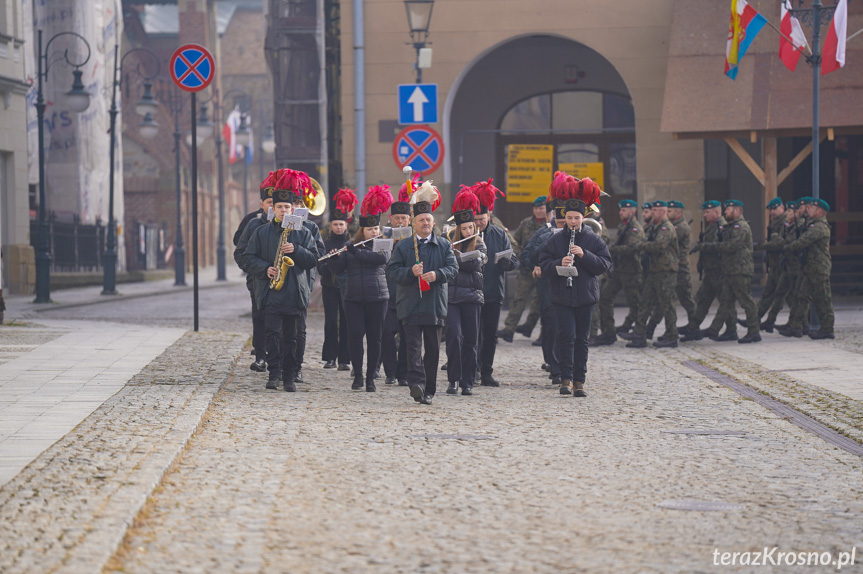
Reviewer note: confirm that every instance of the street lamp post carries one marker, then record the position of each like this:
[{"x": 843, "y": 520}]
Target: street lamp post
[
  {"x": 78, "y": 100},
  {"x": 146, "y": 107},
  {"x": 419, "y": 18}
]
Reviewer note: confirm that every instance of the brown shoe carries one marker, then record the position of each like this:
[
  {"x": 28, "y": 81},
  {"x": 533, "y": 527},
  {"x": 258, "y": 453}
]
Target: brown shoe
[
  {"x": 566, "y": 387},
  {"x": 579, "y": 389}
]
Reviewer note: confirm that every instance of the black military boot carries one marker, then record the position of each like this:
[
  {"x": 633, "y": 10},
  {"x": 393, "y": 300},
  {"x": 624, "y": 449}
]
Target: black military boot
[
  {"x": 466, "y": 391},
  {"x": 358, "y": 383},
  {"x": 273, "y": 382},
  {"x": 452, "y": 389},
  {"x": 537, "y": 343},
  {"x": 289, "y": 385},
  {"x": 605, "y": 339},
  {"x": 637, "y": 341},
  {"x": 819, "y": 334},
  {"x": 370, "y": 385},
  {"x": 709, "y": 332},
  {"x": 623, "y": 329},
  {"x": 766, "y": 326},
  {"x": 694, "y": 335},
  {"x": 726, "y": 336},
  {"x": 523, "y": 330},
  {"x": 750, "y": 338},
  {"x": 488, "y": 381},
  {"x": 665, "y": 343},
  {"x": 505, "y": 335},
  {"x": 789, "y": 332}
]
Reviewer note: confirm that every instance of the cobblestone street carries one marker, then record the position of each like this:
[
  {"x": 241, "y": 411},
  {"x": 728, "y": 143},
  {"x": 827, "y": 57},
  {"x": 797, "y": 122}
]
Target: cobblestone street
[{"x": 194, "y": 467}]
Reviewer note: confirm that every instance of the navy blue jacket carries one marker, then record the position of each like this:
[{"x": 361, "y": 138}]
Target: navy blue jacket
[
  {"x": 596, "y": 261},
  {"x": 325, "y": 269},
  {"x": 366, "y": 274},
  {"x": 467, "y": 286},
  {"x": 431, "y": 307},
  {"x": 493, "y": 274},
  {"x": 249, "y": 225},
  {"x": 530, "y": 258}
]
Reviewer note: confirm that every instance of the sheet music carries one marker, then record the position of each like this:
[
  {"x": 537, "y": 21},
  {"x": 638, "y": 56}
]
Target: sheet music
[
  {"x": 384, "y": 246},
  {"x": 292, "y": 222},
  {"x": 302, "y": 213},
  {"x": 470, "y": 255},
  {"x": 566, "y": 271},
  {"x": 505, "y": 254},
  {"x": 401, "y": 232}
]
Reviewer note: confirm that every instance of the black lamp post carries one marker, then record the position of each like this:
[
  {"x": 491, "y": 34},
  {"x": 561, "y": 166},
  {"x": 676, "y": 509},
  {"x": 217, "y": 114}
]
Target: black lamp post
[
  {"x": 78, "y": 100},
  {"x": 146, "y": 107},
  {"x": 419, "y": 18}
]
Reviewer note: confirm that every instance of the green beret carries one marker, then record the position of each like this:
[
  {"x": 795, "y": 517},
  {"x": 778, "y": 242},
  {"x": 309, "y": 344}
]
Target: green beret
[
  {"x": 805, "y": 200},
  {"x": 733, "y": 203},
  {"x": 659, "y": 203},
  {"x": 774, "y": 203},
  {"x": 539, "y": 201},
  {"x": 820, "y": 203},
  {"x": 647, "y": 205},
  {"x": 675, "y": 203},
  {"x": 627, "y": 203},
  {"x": 709, "y": 204},
  {"x": 791, "y": 205}
]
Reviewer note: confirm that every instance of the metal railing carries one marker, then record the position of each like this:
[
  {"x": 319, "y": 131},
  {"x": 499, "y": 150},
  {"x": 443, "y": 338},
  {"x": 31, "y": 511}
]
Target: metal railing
[{"x": 74, "y": 246}]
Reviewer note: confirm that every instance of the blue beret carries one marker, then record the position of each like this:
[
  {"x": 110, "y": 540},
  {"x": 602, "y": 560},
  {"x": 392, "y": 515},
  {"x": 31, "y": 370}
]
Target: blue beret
[
  {"x": 659, "y": 203},
  {"x": 627, "y": 203},
  {"x": 709, "y": 204},
  {"x": 774, "y": 203},
  {"x": 675, "y": 203},
  {"x": 733, "y": 203},
  {"x": 539, "y": 201},
  {"x": 820, "y": 203}
]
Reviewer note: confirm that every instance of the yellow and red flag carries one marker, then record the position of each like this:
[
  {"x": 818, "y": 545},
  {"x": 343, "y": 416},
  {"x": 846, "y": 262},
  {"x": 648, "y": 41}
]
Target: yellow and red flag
[{"x": 745, "y": 24}]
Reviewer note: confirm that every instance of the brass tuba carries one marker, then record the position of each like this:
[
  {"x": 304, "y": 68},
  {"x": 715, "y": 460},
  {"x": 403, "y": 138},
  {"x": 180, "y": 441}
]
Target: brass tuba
[{"x": 317, "y": 204}]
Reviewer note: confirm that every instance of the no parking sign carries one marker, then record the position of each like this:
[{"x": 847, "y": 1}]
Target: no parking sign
[
  {"x": 421, "y": 147},
  {"x": 192, "y": 67}
]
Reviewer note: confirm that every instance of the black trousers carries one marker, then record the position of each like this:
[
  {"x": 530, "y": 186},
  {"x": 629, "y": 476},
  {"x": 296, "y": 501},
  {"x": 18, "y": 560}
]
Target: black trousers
[
  {"x": 394, "y": 354},
  {"x": 422, "y": 367},
  {"x": 335, "y": 327},
  {"x": 301, "y": 337},
  {"x": 573, "y": 327},
  {"x": 548, "y": 335},
  {"x": 462, "y": 343},
  {"x": 259, "y": 332},
  {"x": 489, "y": 318},
  {"x": 365, "y": 320},
  {"x": 281, "y": 344}
]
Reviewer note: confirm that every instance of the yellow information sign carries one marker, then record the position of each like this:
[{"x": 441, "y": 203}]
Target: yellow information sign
[
  {"x": 593, "y": 170},
  {"x": 529, "y": 171}
]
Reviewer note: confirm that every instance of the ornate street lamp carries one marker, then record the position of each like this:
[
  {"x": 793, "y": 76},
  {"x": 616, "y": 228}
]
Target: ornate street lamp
[
  {"x": 78, "y": 100},
  {"x": 419, "y": 18}
]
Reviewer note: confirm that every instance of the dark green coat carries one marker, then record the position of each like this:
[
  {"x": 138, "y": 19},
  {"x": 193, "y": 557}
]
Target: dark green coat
[
  {"x": 775, "y": 242},
  {"x": 814, "y": 243},
  {"x": 630, "y": 236},
  {"x": 735, "y": 249},
  {"x": 431, "y": 307},
  {"x": 525, "y": 230},
  {"x": 661, "y": 248},
  {"x": 684, "y": 238},
  {"x": 709, "y": 258}
]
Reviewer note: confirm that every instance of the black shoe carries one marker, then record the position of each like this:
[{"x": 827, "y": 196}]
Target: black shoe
[
  {"x": 444, "y": 367},
  {"x": 505, "y": 335},
  {"x": 631, "y": 336},
  {"x": 330, "y": 365},
  {"x": 550, "y": 375},
  {"x": 637, "y": 342},
  {"x": 417, "y": 394},
  {"x": 797, "y": 333},
  {"x": 426, "y": 400},
  {"x": 298, "y": 378},
  {"x": 344, "y": 367},
  {"x": 766, "y": 326},
  {"x": 726, "y": 336},
  {"x": 545, "y": 367},
  {"x": 290, "y": 387},
  {"x": 273, "y": 383},
  {"x": 623, "y": 329},
  {"x": 683, "y": 330},
  {"x": 259, "y": 366},
  {"x": 466, "y": 391},
  {"x": 370, "y": 387},
  {"x": 665, "y": 343},
  {"x": 605, "y": 339},
  {"x": 357, "y": 384},
  {"x": 821, "y": 335},
  {"x": 750, "y": 338},
  {"x": 741, "y": 322},
  {"x": 452, "y": 389},
  {"x": 555, "y": 381},
  {"x": 390, "y": 381},
  {"x": 693, "y": 336},
  {"x": 709, "y": 333},
  {"x": 537, "y": 343},
  {"x": 523, "y": 330},
  {"x": 403, "y": 383},
  {"x": 489, "y": 382}
]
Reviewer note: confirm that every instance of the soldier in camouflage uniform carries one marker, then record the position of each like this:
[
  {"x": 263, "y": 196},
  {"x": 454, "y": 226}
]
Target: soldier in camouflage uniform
[
  {"x": 737, "y": 270},
  {"x": 629, "y": 320},
  {"x": 772, "y": 295},
  {"x": 626, "y": 272},
  {"x": 684, "y": 271},
  {"x": 662, "y": 263},
  {"x": 793, "y": 264},
  {"x": 783, "y": 286},
  {"x": 525, "y": 285},
  {"x": 813, "y": 247},
  {"x": 594, "y": 213},
  {"x": 710, "y": 267}
]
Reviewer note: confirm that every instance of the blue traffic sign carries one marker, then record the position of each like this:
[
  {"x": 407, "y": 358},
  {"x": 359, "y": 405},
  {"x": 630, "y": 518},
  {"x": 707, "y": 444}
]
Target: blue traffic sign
[
  {"x": 192, "y": 68},
  {"x": 418, "y": 104},
  {"x": 420, "y": 147}
]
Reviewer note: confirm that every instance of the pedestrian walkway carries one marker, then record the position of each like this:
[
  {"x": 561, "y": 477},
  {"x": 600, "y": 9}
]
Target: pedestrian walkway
[{"x": 58, "y": 372}]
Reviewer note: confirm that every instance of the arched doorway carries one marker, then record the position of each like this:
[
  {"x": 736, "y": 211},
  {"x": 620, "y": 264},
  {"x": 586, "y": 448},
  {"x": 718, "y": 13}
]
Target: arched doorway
[{"x": 536, "y": 104}]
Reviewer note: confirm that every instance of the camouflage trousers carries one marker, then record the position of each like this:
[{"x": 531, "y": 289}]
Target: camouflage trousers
[
  {"x": 738, "y": 289},
  {"x": 658, "y": 292},
  {"x": 630, "y": 284},
  {"x": 814, "y": 288},
  {"x": 683, "y": 293},
  {"x": 525, "y": 294},
  {"x": 772, "y": 296},
  {"x": 594, "y": 317},
  {"x": 710, "y": 290},
  {"x": 783, "y": 295}
]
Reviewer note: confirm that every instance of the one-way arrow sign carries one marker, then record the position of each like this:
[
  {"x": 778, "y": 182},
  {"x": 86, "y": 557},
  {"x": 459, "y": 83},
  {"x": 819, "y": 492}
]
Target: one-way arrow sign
[{"x": 418, "y": 104}]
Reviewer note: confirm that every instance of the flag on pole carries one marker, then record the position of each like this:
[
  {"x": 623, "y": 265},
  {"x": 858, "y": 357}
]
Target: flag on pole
[
  {"x": 790, "y": 27},
  {"x": 249, "y": 151},
  {"x": 834, "y": 45},
  {"x": 745, "y": 24},
  {"x": 229, "y": 134}
]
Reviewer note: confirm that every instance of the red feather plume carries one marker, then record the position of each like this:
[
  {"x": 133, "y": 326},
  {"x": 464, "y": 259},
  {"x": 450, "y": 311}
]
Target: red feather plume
[
  {"x": 486, "y": 193},
  {"x": 376, "y": 201},
  {"x": 590, "y": 192},
  {"x": 404, "y": 193},
  {"x": 466, "y": 199},
  {"x": 564, "y": 186},
  {"x": 270, "y": 180},
  {"x": 346, "y": 200},
  {"x": 296, "y": 181}
]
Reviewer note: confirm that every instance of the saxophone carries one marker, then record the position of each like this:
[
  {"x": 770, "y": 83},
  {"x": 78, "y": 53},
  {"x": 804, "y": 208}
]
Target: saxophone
[
  {"x": 571, "y": 263},
  {"x": 282, "y": 263}
]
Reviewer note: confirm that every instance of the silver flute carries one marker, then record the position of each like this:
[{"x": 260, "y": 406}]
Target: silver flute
[{"x": 572, "y": 261}]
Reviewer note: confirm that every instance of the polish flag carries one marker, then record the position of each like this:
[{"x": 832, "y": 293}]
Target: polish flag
[
  {"x": 790, "y": 27},
  {"x": 229, "y": 134},
  {"x": 834, "y": 45}
]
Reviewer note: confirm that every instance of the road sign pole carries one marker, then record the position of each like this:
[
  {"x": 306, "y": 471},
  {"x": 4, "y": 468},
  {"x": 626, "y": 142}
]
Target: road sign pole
[{"x": 195, "y": 204}]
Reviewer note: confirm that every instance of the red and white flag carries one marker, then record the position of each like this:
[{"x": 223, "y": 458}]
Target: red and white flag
[
  {"x": 229, "y": 134},
  {"x": 790, "y": 27},
  {"x": 834, "y": 45}
]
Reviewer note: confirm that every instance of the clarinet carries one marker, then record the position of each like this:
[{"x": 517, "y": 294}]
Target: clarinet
[{"x": 572, "y": 262}]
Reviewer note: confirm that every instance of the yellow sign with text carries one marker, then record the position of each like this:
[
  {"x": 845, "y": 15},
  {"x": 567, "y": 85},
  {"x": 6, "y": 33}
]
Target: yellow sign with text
[
  {"x": 593, "y": 170},
  {"x": 528, "y": 172}
]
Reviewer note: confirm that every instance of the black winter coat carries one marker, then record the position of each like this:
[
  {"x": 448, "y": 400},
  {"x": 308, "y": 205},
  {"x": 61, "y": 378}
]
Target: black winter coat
[
  {"x": 246, "y": 229},
  {"x": 260, "y": 255},
  {"x": 466, "y": 288},
  {"x": 431, "y": 307},
  {"x": 242, "y": 226},
  {"x": 367, "y": 280},
  {"x": 319, "y": 249},
  {"x": 325, "y": 269},
  {"x": 530, "y": 258},
  {"x": 493, "y": 274},
  {"x": 596, "y": 261}
]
